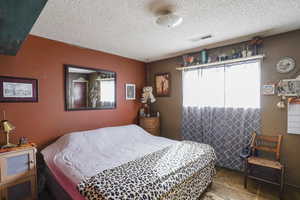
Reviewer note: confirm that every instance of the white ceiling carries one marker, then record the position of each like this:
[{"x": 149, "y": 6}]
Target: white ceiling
[{"x": 127, "y": 27}]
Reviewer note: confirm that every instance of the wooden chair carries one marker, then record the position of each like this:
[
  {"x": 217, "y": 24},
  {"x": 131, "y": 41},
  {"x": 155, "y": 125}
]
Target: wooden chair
[{"x": 263, "y": 143}]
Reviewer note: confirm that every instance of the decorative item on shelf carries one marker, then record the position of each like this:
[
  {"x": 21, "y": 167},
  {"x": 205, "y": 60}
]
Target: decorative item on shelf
[
  {"x": 285, "y": 65},
  {"x": 162, "y": 84},
  {"x": 244, "y": 52},
  {"x": 239, "y": 52},
  {"x": 233, "y": 54},
  {"x": 249, "y": 51},
  {"x": 198, "y": 60},
  {"x": 204, "y": 56},
  {"x": 209, "y": 59},
  {"x": 190, "y": 59},
  {"x": 269, "y": 89},
  {"x": 256, "y": 44},
  {"x": 214, "y": 58},
  {"x": 222, "y": 57},
  {"x": 184, "y": 60},
  {"x": 23, "y": 140},
  {"x": 147, "y": 99},
  {"x": 130, "y": 91},
  {"x": 7, "y": 127}
]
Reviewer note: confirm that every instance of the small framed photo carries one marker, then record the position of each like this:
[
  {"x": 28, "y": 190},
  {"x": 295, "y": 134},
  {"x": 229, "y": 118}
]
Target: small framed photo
[
  {"x": 16, "y": 89},
  {"x": 130, "y": 91},
  {"x": 162, "y": 84},
  {"x": 269, "y": 89}
]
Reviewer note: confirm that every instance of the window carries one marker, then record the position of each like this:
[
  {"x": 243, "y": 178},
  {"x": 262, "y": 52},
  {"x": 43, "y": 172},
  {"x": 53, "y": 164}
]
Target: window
[
  {"x": 107, "y": 90},
  {"x": 235, "y": 86}
]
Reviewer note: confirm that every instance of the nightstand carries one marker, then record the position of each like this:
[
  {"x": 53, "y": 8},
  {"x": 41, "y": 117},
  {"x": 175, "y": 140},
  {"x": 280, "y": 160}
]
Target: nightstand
[
  {"x": 18, "y": 173},
  {"x": 151, "y": 125}
]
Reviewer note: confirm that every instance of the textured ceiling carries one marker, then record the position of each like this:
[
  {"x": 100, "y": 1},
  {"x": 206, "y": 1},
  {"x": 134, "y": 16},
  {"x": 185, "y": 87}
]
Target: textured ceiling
[{"x": 127, "y": 27}]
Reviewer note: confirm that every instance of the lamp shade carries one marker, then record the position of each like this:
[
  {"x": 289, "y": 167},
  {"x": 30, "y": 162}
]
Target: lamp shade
[{"x": 7, "y": 126}]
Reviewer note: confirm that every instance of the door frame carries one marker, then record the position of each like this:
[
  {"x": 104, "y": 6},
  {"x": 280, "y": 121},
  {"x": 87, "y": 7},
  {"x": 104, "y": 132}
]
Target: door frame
[{"x": 80, "y": 80}]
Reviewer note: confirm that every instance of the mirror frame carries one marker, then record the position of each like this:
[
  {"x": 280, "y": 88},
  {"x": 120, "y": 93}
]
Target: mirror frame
[{"x": 66, "y": 71}]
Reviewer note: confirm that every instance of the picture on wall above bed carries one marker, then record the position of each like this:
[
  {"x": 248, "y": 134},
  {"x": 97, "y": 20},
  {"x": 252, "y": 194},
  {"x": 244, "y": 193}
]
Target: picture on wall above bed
[
  {"x": 162, "y": 84},
  {"x": 16, "y": 89},
  {"x": 89, "y": 89}
]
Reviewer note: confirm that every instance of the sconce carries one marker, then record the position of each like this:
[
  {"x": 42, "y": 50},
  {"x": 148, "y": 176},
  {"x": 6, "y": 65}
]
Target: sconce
[{"x": 281, "y": 103}]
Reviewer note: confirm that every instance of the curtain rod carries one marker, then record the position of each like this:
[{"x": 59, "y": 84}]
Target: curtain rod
[{"x": 221, "y": 62}]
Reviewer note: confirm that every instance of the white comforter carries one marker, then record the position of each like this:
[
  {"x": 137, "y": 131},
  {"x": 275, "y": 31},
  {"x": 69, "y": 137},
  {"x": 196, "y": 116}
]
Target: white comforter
[{"x": 86, "y": 153}]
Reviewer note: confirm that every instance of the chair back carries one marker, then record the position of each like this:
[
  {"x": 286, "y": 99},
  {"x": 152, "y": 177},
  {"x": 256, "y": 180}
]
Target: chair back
[{"x": 266, "y": 143}]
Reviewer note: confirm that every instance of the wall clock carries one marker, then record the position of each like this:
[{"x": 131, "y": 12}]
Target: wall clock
[{"x": 285, "y": 65}]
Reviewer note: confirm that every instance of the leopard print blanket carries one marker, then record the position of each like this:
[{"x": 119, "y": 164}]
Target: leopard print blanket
[{"x": 180, "y": 171}]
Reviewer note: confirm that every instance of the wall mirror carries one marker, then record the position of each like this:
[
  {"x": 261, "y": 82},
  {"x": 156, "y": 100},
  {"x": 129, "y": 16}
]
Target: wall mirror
[{"x": 89, "y": 89}]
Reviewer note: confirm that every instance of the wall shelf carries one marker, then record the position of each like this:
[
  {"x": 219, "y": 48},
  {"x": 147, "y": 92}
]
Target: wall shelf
[{"x": 221, "y": 62}]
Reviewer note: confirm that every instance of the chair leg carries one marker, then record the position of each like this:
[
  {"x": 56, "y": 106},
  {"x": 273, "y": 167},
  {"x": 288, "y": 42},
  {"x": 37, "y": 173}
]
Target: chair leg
[
  {"x": 281, "y": 183},
  {"x": 246, "y": 173}
]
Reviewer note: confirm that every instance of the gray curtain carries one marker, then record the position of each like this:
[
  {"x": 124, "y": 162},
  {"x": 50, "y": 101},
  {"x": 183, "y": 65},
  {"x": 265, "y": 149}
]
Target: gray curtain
[{"x": 227, "y": 130}]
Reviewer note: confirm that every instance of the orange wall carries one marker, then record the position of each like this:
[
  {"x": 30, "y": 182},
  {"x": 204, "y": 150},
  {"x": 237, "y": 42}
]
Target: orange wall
[{"x": 46, "y": 120}]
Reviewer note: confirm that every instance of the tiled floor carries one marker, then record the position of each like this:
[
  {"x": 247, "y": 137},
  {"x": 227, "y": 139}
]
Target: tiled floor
[{"x": 228, "y": 185}]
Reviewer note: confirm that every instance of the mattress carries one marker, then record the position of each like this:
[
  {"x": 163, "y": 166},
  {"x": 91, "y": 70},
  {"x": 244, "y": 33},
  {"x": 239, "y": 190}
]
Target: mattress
[{"x": 79, "y": 155}]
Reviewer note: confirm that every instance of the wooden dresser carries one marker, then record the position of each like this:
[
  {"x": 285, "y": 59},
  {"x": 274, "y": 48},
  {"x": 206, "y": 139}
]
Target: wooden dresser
[
  {"x": 151, "y": 125},
  {"x": 18, "y": 173}
]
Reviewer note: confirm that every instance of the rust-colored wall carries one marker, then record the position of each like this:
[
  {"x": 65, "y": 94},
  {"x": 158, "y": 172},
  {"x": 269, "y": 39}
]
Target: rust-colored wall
[
  {"x": 274, "y": 120},
  {"x": 43, "y": 59}
]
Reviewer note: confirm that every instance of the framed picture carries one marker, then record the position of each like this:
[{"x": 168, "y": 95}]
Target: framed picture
[
  {"x": 289, "y": 87},
  {"x": 162, "y": 84},
  {"x": 130, "y": 91},
  {"x": 269, "y": 89},
  {"x": 16, "y": 89}
]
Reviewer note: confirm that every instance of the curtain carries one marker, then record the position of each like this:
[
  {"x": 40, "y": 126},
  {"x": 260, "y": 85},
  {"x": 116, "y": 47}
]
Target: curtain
[{"x": 221, "y": 107}]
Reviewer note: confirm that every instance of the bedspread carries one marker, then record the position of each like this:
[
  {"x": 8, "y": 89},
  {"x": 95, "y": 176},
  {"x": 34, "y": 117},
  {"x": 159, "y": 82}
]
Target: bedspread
[{"x": 180, "y": 171}]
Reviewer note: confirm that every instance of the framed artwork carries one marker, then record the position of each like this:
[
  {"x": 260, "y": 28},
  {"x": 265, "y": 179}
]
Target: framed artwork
[
  {"x": 16, "y": 89},
  {"x": 130, "y": 91},
  {"x": 269, "y": 89},
  {"x": 289, "y": 87},
  {"x": 162, "y": 84}
]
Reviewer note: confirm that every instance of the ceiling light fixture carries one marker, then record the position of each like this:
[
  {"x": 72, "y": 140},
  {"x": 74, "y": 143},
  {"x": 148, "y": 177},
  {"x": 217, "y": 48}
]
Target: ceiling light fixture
[{"x": 169, "y": 20}]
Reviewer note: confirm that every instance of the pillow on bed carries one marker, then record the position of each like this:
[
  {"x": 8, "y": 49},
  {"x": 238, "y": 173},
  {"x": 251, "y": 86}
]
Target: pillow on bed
[{"x": 86, "y": 153}]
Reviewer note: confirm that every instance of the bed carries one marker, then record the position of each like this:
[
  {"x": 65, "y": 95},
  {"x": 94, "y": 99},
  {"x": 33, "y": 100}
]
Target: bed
[{"x": 126, "y": 162}]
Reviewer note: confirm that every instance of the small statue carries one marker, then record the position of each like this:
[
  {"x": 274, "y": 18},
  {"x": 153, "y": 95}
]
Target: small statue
[
  {"x": 148, "y": 95},
  {"x": 147, "y": 98}
]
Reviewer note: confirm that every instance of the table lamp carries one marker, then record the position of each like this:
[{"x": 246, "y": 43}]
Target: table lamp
[{"x": 7, "y": 127}]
